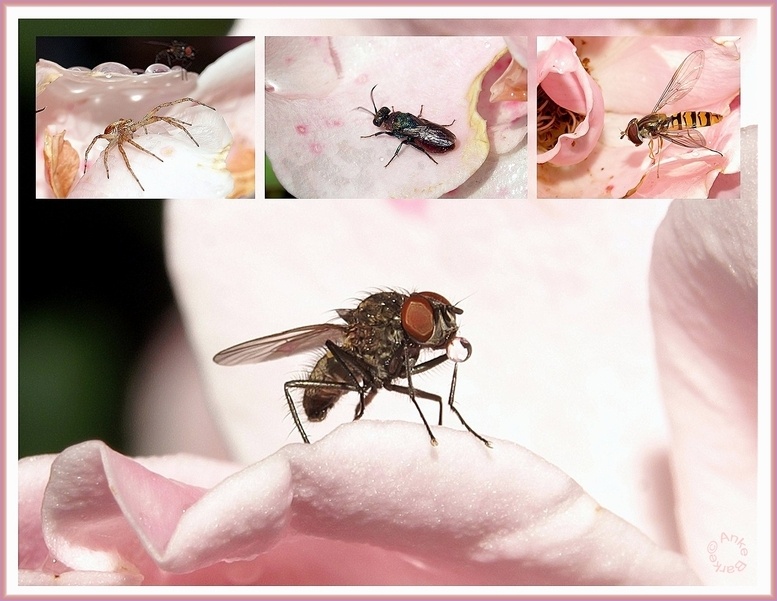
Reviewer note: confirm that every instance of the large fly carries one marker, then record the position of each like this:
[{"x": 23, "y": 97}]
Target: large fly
[
  {"x": 679, "y": 128},
  {"x": 380, "y": 342}
]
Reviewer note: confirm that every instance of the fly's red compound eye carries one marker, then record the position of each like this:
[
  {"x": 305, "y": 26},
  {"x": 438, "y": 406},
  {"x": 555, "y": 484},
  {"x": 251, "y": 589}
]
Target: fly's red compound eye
[
  {"x": 440, "y": 299},
  {"x": 418, "y": 315},
  {"x": 632, "y": 133},
  {"x": 434, "y": 296}
]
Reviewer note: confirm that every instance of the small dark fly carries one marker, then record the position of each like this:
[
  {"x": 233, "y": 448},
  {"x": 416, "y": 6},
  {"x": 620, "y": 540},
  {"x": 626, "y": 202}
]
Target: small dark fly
[
  {"x": 175, "y": 53},
  {"x": 413, "y": 131},
  {"x": 679, "y": 128},
  {"x": 380, "y": 342}
]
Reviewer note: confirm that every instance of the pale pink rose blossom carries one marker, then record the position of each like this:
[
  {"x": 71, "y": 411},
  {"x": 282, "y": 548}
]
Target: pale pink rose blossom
[
  {"x": 633, "y": 73},
  {"x": 579, "y": 392}
]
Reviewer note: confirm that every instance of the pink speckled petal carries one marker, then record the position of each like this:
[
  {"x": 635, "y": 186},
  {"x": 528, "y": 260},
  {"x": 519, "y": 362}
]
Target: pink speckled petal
[{"x": 314, "y": 136}]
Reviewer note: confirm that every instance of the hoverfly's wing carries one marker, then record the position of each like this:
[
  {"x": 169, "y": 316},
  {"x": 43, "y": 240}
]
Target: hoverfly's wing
[
  {"x": 683, "y": 80},
  {"x": 689, "y": 138},
  {"x": 283, "y": 344}
]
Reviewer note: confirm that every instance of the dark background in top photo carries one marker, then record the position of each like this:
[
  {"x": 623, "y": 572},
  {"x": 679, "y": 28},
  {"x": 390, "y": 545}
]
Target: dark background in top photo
[{"x": 92, "y": 281}]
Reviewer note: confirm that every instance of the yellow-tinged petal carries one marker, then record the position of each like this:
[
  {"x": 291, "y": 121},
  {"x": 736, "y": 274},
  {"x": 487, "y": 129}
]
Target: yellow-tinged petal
[
  {"x": 241, "y": 163},
  {"x": 62, "y": 162}
]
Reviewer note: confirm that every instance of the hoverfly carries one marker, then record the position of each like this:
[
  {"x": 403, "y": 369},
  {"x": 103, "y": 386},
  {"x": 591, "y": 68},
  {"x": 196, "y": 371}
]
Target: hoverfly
[
  {"x": 379, "y": 343},
  {"x": 679, "y": 128}
]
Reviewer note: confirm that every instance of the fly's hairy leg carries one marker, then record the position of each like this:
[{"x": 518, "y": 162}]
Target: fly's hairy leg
[
  {"x": 412, "y": 394},
  {"x": 456, "y": 411},
  {"x": 303, "y": 384}
]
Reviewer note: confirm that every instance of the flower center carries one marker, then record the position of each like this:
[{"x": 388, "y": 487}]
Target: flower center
[{"x": 553, "y": 121}]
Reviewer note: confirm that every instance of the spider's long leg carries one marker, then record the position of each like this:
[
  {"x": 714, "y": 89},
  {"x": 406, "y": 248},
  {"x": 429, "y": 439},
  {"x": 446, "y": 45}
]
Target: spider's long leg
[
  {"x": 139, "y": 147},
  {"x": 180, "y": 125},
  {"x": 105, "y": 157},
  {"x": 186, "y": 100},
  {"x": 126, "y": 162},
  {"x": 86, "y": 154},
  {"x": 171, "y": 103}
]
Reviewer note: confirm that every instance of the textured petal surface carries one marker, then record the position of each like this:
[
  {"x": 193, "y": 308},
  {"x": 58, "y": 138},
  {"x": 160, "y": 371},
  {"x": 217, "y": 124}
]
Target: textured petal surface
[{"x": 110, "y": 519}]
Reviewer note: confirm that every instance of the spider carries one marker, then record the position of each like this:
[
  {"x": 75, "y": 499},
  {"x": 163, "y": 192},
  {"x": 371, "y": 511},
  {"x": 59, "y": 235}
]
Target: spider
[{"x": 122, "y": 131}]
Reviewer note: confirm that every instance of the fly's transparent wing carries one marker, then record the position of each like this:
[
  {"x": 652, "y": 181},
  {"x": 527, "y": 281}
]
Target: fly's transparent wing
[
  {"x": 689, "y": 138},
  {"x": 683, "y": 80},
  {"x": 283, "y": 344}
]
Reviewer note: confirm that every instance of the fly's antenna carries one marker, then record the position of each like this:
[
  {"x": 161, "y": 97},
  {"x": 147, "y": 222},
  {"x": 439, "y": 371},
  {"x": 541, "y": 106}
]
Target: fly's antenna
[{"x": 374, "y": 106}]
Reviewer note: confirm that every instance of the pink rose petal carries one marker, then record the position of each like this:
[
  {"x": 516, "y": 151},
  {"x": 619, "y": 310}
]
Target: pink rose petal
[
  {"x": 100, "y": 507},
  {"x": 33, "y": 478},
  {"x": 563, "y": 78},
  {"x": 704, "y": 299},
  {"x": 437, "y": 507}
]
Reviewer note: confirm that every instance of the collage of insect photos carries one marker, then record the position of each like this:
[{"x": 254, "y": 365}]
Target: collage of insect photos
[{"x": 492, "y": 319}]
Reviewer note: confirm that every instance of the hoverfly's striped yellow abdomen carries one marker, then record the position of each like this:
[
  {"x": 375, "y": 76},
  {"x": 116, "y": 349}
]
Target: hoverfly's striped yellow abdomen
[{"x": 692, "y": 120}]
